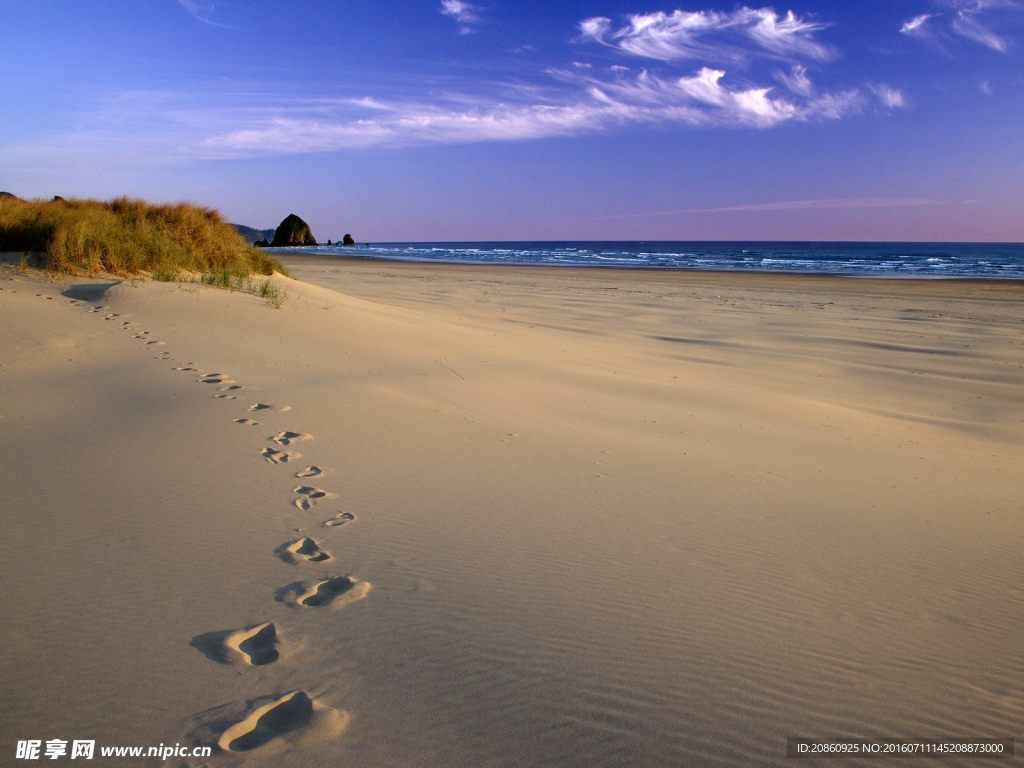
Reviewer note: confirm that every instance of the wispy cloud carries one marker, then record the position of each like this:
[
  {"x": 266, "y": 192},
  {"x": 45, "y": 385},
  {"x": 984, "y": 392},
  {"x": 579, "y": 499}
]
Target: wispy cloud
[
  {"x": 967, "y": 24},
  {"x": 578, "y": 98},
  {"x": 573, "y": 101},
  {"x": 796, "y": 80},
  {"x": 972, "y": 20},
  {"x": 711, "y": 36},
  {"x": 201, "y": 10},
  {"x": 587, "y": 103},
  {"x": 466, "y": 15},
  {"x": 827, "y": 204},
  {"x": 889, "y": 96},
  {"x": 915, "y": 26}
]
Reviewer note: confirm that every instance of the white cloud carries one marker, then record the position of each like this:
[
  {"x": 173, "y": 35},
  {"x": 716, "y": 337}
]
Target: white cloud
[
  {"x": 160, "y": 127},
  {"x": 592, "y": 104},
  {"x": 796, "y": 80},
  {"x": 465, "y": 14},
  {"x": 966, "y": 24},
  {"x": 409, "y": 124},
  {"x": 749, "y": 106},
  {"x": 578, "y": 99},
  {"x": 972, "y": 20},
  {"x": 662, "y": 36},
  {"x": 828, "y": 204},
  {"x": 787, "y": 36},
  {"x": 889, "y": 96},
  {"x": 916, "y": 25},
  {"x": 200, "y": 10},
  {"x": 712, "y": 36}
]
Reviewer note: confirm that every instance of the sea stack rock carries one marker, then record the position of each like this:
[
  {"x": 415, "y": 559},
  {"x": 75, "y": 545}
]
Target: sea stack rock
[
  {"x": 347, "y": 240},
  {"x": 293, "y": 231}
]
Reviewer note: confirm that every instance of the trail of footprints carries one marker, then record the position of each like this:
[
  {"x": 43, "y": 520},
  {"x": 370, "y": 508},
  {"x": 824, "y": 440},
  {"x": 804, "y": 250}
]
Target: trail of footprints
[{"x": 260, "y": 644}]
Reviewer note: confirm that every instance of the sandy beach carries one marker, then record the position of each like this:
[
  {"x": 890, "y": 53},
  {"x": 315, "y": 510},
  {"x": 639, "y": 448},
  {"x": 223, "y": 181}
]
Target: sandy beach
[{"x": 504, "y": 516}]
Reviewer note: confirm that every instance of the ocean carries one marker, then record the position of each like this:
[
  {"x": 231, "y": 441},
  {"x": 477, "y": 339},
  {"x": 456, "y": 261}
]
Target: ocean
[{"x": 985, "y": 260}]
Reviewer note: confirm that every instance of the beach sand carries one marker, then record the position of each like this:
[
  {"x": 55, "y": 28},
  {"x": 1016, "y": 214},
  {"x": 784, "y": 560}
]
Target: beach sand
[{"x": 578, "y": 517}]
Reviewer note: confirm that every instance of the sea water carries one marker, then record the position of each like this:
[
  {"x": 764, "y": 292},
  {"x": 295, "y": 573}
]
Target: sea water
[{"x": 988, "y": 260}]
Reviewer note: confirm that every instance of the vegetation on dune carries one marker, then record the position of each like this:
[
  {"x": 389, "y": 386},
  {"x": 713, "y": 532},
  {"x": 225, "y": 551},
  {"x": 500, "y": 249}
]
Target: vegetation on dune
[
  {"x": 223, "y": 279},
  {"x": 130, "y": 237}
]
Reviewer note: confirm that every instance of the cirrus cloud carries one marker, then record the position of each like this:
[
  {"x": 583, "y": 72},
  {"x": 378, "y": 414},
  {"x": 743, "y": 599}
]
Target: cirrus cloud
[
  {"x": 465, "y": 14},
  {"x": 713, "y": 36},
  {"x": 708, "y": 69},
  {"x": 586, "y": 103},
  {"x": 971, "y": 20}
]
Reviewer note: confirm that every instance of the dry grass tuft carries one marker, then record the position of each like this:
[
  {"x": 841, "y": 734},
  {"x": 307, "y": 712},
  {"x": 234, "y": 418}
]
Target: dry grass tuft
[{"x": 128, "y": 237}]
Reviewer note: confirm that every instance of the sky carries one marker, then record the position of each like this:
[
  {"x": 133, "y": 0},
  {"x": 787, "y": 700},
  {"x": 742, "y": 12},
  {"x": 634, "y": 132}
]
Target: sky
[{"x": 496, "y": 120}]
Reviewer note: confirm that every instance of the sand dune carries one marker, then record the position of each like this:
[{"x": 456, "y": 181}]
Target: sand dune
[{"x": 609, "y": 518}]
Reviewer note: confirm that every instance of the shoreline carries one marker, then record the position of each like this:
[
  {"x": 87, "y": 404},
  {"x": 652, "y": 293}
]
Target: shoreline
[
  {"x": 1013, "y": 287},
  {"x": 841, "y": 273}
]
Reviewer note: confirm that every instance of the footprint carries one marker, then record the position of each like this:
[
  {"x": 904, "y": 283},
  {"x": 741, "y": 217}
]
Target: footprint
[
  {"x": 254, "y": 645},
  {"x": 230, "y": 388},
  {"x": 339, "y": 519},
  {"x": 284, "y": 717},
  {"x": 225, "y": 397},
  {"x": 246, "y": 422},
  {"x": 301, "y": 550},
  {"x": 279, "y": 457},
  {"x": 185, "y": 367},
  {"x": 216, "y": 378},
  {"x": 308, "y": 496},
  {"x": 309, "y": 472},
  {"x": 259, "y": 407},
  {"x": 154, "y": 342},
  {"x": 257, "y": 645},
  {"x": 312, "y": 493},
  {"x": 339, "y": 591},
  {"x": 287, "y": 438}
]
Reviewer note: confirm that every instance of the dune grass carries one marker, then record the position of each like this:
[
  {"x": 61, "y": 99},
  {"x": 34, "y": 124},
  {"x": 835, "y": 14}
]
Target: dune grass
[
  {"x": 129, "y": 237},
  {"x": 223, "y": 279}
]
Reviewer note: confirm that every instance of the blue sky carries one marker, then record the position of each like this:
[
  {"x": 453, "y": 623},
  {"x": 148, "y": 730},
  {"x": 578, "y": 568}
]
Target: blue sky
[{"x": 448, "y": 119}]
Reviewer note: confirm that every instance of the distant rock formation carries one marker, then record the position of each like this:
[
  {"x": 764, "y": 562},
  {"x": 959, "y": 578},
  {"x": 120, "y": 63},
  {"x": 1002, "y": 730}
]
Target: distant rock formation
[
  {"x": 292, "y": 231},
  {"x": 59, "y": 199},
  {"x": 9, "y": 196},
  {"x": 254, "y": 236},
  {"x": 347, "y": 240}
]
